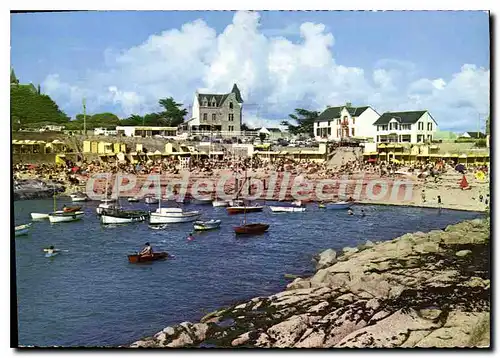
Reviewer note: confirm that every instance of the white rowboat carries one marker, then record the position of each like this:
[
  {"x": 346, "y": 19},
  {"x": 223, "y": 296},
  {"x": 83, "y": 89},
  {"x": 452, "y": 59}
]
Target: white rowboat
[
  {"x": 60, "y": 217},
  {"x": 39, "y": 216},
  {"x": 340, "y": 205},
  {"x": 22, "y": 229},
  {"x": 219, "y": 203},
  {"x": 206, "y": 225}
]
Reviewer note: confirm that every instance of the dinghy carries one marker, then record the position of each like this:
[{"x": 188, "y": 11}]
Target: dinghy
[
  {"x": 158, "y": 227},
  {"x": 22, "y": 229},
  {"x": 219, "y": 203},
  {"x": 136, "y": 258},
  {"x": 133, "y": 200},
  {"x": 39, "y": 216},
  {"x": 61, "y": 216},
  {"x": 76, "y": 197},
  {"x": 286, "y": 209},
  {"x": 206, "y": 225},
  {"x": 120, "y": 216},
  {"x": 251, "y": 229}
]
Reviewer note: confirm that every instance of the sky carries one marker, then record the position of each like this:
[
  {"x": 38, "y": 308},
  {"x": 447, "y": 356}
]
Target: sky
[{"x": 124, "y": 62}]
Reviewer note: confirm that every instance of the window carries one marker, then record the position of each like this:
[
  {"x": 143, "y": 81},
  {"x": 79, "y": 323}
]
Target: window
[
  {"x": 420, "y": 126},
  {"x": 205, "y": 102},
  {"x": 230, "y": 117},
  {"x": 329, "y": 123},
  {"x": 204, "y": 116},
  {"x": 352, "y": 132},
  {"x": 231, "y": 128},
  {"x": 231, "y": 105},
  {"x": 214, "y": 116},
  {"x": 329, "y": 131},
  {"x": 338, "y": 121},
  {"x": 353, "y": 120},
  {"x": 429, "y": 126},
  {"x": 317, "y": 132},
  {"x": 406, "y": 127},
  {"x": 214, "y": 104}
]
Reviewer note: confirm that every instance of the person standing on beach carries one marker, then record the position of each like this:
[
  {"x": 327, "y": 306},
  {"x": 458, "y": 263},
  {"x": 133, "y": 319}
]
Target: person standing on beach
[
  {"x": 423, "y": 196},
  {"x": 439, "y": 200}
]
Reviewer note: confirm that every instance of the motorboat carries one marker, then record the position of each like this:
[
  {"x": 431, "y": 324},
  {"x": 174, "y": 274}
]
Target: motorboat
[
  {"x": 207, "y": 225},
  {"x": 120, "y": 216},
  {"x": 286, "y": 209},
  {"x": 108, "y": 205},
  {"x": 172, "y": 215},
  {"x": 77, "y": 197},
  {"x": 340, "y": 205},
  {"x": 133, "y": 200},
  {"x": 61, "y": 216},
  {"x": 219, "y": 203},
  {"x": 22, "y": 229}
]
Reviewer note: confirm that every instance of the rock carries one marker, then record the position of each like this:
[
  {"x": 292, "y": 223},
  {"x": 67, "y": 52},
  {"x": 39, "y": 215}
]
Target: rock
[
  {"x": 311, "y": 339},
  {"x": 350, "y": 250},
  {"x": 348, "y": 297},
  {"x": 182, "y": 340},
  {"x": 298, "y": 283},
  {"x": 373, "y": 304},
  {"x": 319, "y": 307},
  {"x": 245, "y": 337},
  {"x": 169, "y": 330},
  {"x": 463, "y": 253},
  {"x": 369, "y": 244},
  {"x": 427, "y": 247},
  {"x": 199, "y": 330},
  {"x": 429, "y": 313},
  {"x": 326, "y": 258},
  {"x": 286, "y": 333}
]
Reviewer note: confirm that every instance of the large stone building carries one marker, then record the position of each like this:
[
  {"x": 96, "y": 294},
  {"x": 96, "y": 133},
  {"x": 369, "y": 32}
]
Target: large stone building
[{"x": 216, "y": 114}]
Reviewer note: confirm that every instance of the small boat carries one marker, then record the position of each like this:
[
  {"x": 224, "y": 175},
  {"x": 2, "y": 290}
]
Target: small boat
[
  {"x": 172, "y": 215},
  {"x": 133, "y": 259},
  {"x": 22, "y": 229},
  {"x": 201, "y": 201},
  {"x": 151, "y": 200},
  {"x": 340, "y": 205},
  {"x": 61, "y": 216},
  {"x": 76, "y": 197},
  {"x": 39, "y": 216},
  {"x": 51, "y": 254},
  {"x": 108, "y": 205},
  {"x": 133, "y": 200},
  {"x": 232, "y": 210},
  {"x": 286, "y": 209},
  {"x": 251, "y": 229},
  {"x": 158, "y": 227},
  {"x": 219, "y": 203},
  {"x": 321, "y": 206},
  {"x": 71, "y": 209},
  {"x": 120, "y": 216},
  {"x": 207, "y": 225},
  {"x": 236, "y": 202}
]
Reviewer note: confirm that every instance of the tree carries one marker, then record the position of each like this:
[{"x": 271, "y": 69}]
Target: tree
[
  {"x": 304, "y": 119},
  {"x": 28, "y": 108},
  {"x": 487, "y": 130},
  {"x": 262, "y": 136},
  {"x": 172, "y": 115},
  {"x": 39, "y": 90},
  {"x": 13, "y": 78},
  {"x": 244, "y": 127}
]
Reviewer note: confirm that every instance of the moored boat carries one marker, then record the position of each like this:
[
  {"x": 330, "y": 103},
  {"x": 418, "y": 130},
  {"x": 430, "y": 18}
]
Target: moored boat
[
  {"x": 106, "y": 206},
  {"x": 133, "y": 200},
  {"x": 232, "y": 210},
  {"x": 158, "y": 227},
  {"x": 286, "y": 209},
  {"x": 172, "y": 215},
  {"x": 219, "y": 203},
  {"x": 22, "y": 229},
  {"x": 151, "y": 200},
  {"x": 136, "y": 258},
  {"x": 61, "y": 216},
  {"x": 340, "y": 205},
  {"x": 76, "y": 197},
  {"x": 120, "y": 216},
  {"x": 39, "y": 216},
  {"x": 207, "y": 225},
  {"x": 251, "y": 228}
]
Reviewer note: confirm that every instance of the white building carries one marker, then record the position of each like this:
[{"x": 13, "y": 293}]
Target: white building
[
  {"x": 339, "y": 123},
  {"x": 405, "y": 127},
  {"x": 272, "y": 133},
  {"x": 146, "y": 131},
  {"x": 104, "y": 131}
]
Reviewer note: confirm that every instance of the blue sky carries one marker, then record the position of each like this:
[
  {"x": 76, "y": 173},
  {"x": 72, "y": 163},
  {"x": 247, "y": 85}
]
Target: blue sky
[{"x": 400, "y": 54}]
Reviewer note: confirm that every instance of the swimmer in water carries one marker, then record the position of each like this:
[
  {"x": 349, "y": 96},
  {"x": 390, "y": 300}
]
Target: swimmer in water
[
  {"x": 363, "y": 213},
  {"x": 350, "y": 212},
  {"x": 190, "y": 237}
]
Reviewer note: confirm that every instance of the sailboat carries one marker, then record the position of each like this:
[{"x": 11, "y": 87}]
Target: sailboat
[
  {"x": 172, "y": 215},
  {"x": 246, "y": 228},
  {"x": 59, "y": 216},
  {"x": 118, "y": 215},
  {"x": 238, "y": 206},
  {"x": 107, "y": 203}
]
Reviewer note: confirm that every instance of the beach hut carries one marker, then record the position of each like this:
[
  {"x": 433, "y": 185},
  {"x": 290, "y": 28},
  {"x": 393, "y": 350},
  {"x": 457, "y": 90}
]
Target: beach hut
[{"x": 104, "y": 147}]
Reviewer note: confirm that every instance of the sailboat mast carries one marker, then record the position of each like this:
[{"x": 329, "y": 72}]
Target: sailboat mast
[{"x": 54, "y": 196}]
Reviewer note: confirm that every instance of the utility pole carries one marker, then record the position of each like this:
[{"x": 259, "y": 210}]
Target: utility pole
[{"x": 84, "y": 117}]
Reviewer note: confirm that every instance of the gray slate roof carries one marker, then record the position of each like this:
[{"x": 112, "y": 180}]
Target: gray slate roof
[
  {"x": 220, "y": 98},
  {"x": 410, "y": 117},
  {"x": 334, "y": 112},
  {"x": 476, "y": 135}
]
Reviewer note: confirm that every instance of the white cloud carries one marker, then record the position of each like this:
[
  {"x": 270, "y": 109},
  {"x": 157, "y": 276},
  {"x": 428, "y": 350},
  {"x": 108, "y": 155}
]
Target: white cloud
[{"x": 275, "y": 75}]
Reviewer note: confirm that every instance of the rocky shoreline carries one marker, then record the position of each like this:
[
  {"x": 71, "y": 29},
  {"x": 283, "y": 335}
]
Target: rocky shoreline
[
  {"x": 27, "y": 189},
  {"x": 419, "y": 290}
]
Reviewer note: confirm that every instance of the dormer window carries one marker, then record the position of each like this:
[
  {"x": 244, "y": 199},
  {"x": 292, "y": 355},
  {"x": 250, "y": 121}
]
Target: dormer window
[
  {"x": 204, "y": 102},
  {"x": 214, "y": 104},
  {"x": 231, "y": 105}
]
